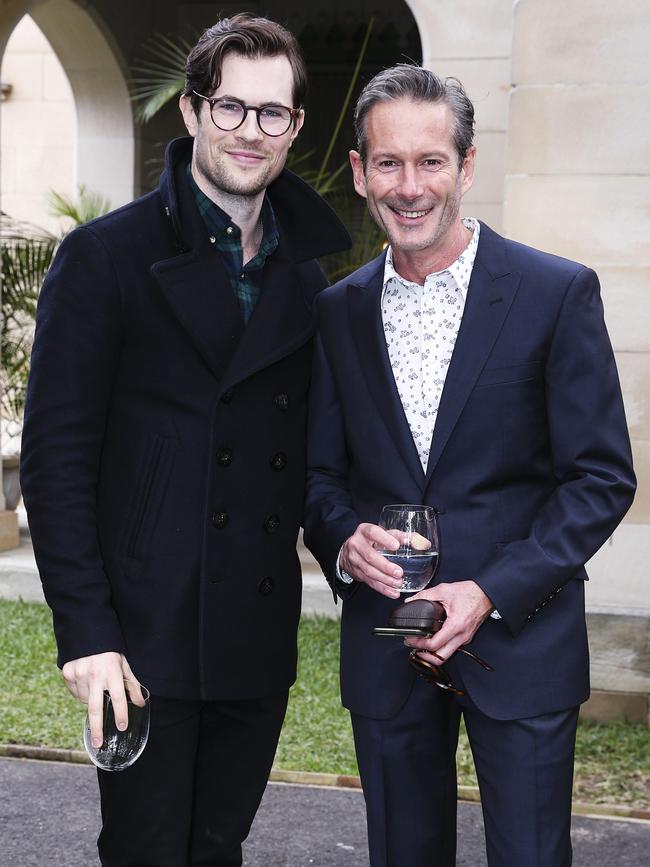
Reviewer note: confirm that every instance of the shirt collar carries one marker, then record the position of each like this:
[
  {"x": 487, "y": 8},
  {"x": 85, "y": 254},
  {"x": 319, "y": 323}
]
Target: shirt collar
[
  {"x": 460, "y": 270},
  {"x": 221, "y": 227}
]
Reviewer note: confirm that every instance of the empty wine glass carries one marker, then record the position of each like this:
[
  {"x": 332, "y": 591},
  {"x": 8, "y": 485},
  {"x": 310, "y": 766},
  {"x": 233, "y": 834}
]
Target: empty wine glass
[
  {"x": 120, "y": 749},
  {"x": 416, "y": 530}
]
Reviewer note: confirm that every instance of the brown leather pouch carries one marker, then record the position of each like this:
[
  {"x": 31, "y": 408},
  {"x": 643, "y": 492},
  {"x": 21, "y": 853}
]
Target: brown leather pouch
[
  {"x": 420, "y": 618},
  {"x": 419, "y": 614}
]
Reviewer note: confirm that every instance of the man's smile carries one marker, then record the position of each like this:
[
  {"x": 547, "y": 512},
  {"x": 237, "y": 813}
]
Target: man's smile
[{"x": 410, "y": 215}]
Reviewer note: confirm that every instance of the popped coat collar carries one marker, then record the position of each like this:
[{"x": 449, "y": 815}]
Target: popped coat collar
[
  {"x": 197, "y": 288},
  {"x": 308, "y": 225}
]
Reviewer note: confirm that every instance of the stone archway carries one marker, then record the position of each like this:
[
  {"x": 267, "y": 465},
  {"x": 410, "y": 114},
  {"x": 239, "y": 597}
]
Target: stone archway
[
  {"x": 105, "y": 135},
  {"x": 473, "y": 41}
]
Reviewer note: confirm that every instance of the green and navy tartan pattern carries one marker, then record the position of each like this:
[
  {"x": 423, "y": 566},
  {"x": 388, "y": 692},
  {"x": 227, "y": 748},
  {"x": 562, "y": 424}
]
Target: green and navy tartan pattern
[{"x": 244, "y": 279}]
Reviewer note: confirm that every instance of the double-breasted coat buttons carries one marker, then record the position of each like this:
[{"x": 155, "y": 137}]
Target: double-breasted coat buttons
[
  {"x": 272, "y": 523},
  {"x": 281, "y": 400},
  {"x": 266, "y": 586},
  {"x": 224, "y": 457},
  {"x": 278, "y": 461},
  {"x": 219, "y": 520}
]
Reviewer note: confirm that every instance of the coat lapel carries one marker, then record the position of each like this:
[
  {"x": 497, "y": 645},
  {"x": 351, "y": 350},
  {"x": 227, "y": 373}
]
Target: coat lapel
[
  {"x": 492, "y": 289},
  {"x": 281, "y": 322},
  {"x": 199, "y": 293},
  {"x": 366, "y": 328}
]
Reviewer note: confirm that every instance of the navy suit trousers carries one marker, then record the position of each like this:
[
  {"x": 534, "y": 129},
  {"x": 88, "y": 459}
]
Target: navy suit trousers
[{"x": 408, "y": 771}]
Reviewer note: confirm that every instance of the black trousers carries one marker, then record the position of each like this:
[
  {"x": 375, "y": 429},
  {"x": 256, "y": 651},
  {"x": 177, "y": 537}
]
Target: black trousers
[
  {"x": 191, "y": 797},
  {"x": 408, "y": 772}
]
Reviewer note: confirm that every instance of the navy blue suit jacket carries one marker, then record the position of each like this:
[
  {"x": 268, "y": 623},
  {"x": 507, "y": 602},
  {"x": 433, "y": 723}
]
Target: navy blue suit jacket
[{"x": 530, "y": 468}]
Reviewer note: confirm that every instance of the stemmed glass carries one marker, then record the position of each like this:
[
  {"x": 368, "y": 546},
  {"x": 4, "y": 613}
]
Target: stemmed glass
[
  {"x": 120, "y": 749},
  {"x": 416, "y": 530}
]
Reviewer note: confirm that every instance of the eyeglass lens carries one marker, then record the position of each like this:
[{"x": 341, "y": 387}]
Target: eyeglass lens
[{"x": 228, "y": 114}]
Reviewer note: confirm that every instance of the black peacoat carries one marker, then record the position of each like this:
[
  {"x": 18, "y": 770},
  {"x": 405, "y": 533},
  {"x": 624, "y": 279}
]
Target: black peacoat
[{"x": 163, "y": 462}]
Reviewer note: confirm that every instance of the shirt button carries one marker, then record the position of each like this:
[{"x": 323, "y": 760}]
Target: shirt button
[
  {"x": 266, "y": 586},
  {"x": 271, "y": 524},
  {"x": 219, "y": 520},
  {"x": 281, "y": 400},
  {"x": 224, "y": 457},
  {"x": 278, "y": 461}
]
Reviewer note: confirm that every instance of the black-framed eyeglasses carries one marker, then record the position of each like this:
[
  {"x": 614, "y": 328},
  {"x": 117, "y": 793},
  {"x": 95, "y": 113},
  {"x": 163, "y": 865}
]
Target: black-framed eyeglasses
[
  {"x": 229, "y": 113},
  {"x": 437, "y": 675}
]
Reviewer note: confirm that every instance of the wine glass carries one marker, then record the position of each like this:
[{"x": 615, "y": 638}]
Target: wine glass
[
  {"x": 416, "y": 530},
  {"x": 120, "y": 749}
]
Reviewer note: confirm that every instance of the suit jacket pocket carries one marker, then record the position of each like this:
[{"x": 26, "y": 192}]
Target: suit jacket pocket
[
  {"x": 508, "y": 375},
  {"x": 149, "y": 495}
]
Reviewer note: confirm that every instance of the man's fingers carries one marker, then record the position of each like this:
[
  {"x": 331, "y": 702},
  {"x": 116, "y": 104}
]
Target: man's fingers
[
  {"x": 134, "y": 692},
  {"x": 132, "y": 685},
  {"x": 96, "y": 717},
  {"x": 68, "y": 675},
  {"x": 380, "y": 538},
  {"x": 384, "y": 589},
  {"x": 419, "y": 542},
  {"x": 118, "y": 700}
]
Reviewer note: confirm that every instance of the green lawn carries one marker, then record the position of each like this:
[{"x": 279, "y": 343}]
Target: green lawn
[{"x": 612, "y": 761}]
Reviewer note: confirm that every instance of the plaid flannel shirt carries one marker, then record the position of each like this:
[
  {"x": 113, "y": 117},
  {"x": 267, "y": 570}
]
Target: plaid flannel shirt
[{"x": 245, "y": 279}]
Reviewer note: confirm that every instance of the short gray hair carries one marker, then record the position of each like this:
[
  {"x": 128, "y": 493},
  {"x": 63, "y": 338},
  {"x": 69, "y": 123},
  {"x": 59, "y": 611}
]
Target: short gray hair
[{"x": 407, "y": 81}]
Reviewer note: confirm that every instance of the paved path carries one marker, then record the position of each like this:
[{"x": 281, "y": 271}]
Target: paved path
[{"x": 49, "y": 817}]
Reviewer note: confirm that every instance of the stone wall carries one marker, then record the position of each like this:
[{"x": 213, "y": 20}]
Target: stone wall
[
  {"x": 38, "y": 127},
  {"x": 472, "y": 41}
]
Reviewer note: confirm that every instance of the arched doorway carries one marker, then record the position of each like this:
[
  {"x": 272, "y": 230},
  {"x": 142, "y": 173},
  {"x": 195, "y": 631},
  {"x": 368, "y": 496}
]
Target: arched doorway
[
  {"x": 104, "y": 145},
  {"x": 473, "y": 41},
  {"x": 38, "y": 128}
]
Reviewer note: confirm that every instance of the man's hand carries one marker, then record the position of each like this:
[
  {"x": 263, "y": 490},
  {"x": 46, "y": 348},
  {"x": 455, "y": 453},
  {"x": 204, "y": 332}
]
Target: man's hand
[
  {"x": 360, "y": 559},
  {"x": 467, "y": 607},
  {"x": 89, "y": 676}
]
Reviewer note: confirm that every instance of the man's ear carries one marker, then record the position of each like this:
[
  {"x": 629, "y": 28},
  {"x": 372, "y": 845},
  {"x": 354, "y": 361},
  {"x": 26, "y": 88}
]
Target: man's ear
[
  {"x": 358, "y": 173},
  {"x": 467, "y": 170},
  {"x": 189, "y": 115},
  {"x": 297, "y": 126}
]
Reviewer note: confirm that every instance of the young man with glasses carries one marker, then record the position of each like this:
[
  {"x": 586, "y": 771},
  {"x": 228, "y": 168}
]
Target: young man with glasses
[
  {"x": 163, "y": 452},
  {"x": 462, "y": 371}
]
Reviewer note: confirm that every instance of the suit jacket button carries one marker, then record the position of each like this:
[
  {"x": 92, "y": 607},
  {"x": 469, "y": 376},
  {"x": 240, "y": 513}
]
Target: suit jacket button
[
  {"x": 278, "y": 461},
  {"x": 219, "y": 520},
  {"x": 266, "y": 586},
  {"x": 281, "y": 400},
  {"x": 272, "y": 523},
  {"x": 224, "y": 457},
  {"x": 227, "y": 396}
]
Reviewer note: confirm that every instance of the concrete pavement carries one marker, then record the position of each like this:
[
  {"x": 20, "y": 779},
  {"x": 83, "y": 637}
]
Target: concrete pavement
[{"x": 49, "y": 817}]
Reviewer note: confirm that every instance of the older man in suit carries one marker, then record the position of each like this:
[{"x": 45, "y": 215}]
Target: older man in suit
[{"x": 473, "y": 374}]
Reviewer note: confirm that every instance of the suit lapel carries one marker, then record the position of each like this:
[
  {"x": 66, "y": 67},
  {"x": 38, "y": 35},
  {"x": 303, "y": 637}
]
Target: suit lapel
[
  {"x": 199, "y": 294},
  {"x": 367, "y": 330},
  {"x": 492, "y": 289}
]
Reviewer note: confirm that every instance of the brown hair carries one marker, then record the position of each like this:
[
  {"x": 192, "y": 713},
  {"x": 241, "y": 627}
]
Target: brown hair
[{"x": 250, "y": 37}]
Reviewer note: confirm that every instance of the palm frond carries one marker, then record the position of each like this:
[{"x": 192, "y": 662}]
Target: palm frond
[
  {"x": 322, "y": 172},
  {"x": 159, "y": 77},
  {"x": 85, "y": 207},
  {"x": 25, "y": 256}
]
